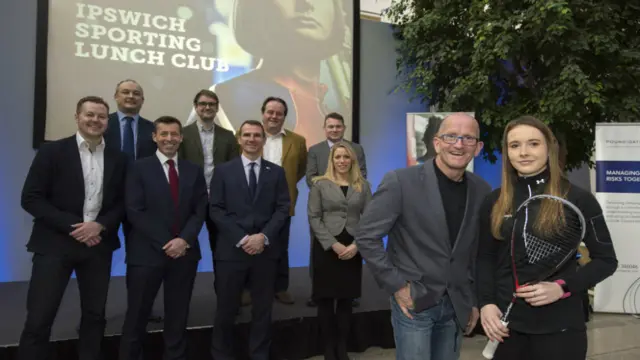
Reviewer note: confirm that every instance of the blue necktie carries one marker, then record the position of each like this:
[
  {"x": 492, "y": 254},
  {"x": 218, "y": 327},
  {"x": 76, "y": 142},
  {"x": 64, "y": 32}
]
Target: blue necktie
[
  {"x": 128, "y": 143},
  {"x": 253, "y": 181}
]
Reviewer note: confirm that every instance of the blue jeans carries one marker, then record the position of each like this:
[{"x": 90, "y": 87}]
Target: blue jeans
[{"x": 432, "y": 334}]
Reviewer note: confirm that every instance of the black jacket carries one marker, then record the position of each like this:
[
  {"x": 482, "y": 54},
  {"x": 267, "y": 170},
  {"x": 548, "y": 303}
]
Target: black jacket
[{"x": 494, "y": 274}]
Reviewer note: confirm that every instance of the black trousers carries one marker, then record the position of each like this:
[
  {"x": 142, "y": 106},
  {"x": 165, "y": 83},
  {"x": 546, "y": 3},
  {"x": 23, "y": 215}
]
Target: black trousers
[
  {"x": 231, "y": 276},
  {"x": 143, "y": 284},
  {"x": 282, "y": 276},
  {"x": 49, "y": 278},
  {"x": 566, "y": 345},
  {"x": 334, "y": 316},
  {"x": 211, "y": 231}
]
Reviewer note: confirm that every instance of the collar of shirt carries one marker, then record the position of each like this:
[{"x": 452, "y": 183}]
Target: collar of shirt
[
  {"x": 201, "y": 127},
  {"x": 281, "y": 133},
  {"x": 246, "y": 161},
  {"x": 121, "y": 117},
  {"x": 331, "y": 143},
  {"x": 82, "y": 143},
  {"x": 163, "y": 158}
]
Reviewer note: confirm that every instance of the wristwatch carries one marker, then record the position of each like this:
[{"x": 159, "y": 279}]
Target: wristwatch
[{"x": 564, "y": 287}]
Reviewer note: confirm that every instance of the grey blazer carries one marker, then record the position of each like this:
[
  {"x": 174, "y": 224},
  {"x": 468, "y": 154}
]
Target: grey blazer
[
  {"x": 318, "y": 160},
  {"x": 330, "y": 211},
  {"x": 408, "y": 207}
]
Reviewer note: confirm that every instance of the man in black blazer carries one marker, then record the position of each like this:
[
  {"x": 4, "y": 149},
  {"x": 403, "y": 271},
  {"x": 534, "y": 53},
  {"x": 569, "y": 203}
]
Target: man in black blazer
[
  {"x": 75, "y": 192},
  {"x": 249, "y": 204},
  {"x": 166, "y": 202},
  {"x": 128, "y": 131}
]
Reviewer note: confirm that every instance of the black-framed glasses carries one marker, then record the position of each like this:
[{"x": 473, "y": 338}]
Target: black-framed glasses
[
  {"x": 209, "y": 104},
  {"x": 452, "y": 139}
]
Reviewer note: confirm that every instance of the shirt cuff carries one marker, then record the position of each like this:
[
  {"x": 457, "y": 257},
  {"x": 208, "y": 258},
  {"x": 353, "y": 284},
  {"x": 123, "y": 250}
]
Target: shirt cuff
[
  {"x": 266, "y": 240},
  {"x": 242, "y": 241}
]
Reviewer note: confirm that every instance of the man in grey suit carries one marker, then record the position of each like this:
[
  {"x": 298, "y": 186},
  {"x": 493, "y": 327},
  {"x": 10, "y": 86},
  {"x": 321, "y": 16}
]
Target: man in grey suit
[
  {"x": 429, "y": 212},
  {"x": 318, "y": 158}
]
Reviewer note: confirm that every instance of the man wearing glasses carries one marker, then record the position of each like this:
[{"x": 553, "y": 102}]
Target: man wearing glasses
[
  {"x": 206, "y": 144},
  {"x": 429, "y": 212}
]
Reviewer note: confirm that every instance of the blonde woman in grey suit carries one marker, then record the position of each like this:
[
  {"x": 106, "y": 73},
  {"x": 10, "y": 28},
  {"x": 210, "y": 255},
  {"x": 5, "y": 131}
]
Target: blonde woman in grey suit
[{"x": 336, "y": 201}]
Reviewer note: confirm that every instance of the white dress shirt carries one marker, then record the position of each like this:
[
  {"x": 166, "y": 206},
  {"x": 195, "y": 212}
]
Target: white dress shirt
[
  {"x": 246, "y": 163},
  {"x": 93, "y": 174},
  {"x": 163, "y": 160},
  {"x": 207, "y": 139},
  {"x": 273, "y": 148}
]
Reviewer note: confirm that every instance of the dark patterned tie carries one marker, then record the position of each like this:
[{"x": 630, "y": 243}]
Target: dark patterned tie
[
  {"x": 253, "y": 181},
  {"x": 174, "y": 184},
  {"x": 128, "y": 142}
]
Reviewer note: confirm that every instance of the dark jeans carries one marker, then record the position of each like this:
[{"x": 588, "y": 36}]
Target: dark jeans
[
  {"x": 49, "y": 278},
  {"x": 433, "y": 334}
]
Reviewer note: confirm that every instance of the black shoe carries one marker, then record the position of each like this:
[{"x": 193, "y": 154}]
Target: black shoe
[
  {"x": 311, "y": 303},
  {"x": 355, "y": 303}
]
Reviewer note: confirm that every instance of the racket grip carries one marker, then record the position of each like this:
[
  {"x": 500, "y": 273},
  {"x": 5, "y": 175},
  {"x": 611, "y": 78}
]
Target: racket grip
[{"x": 490, "y": 348}]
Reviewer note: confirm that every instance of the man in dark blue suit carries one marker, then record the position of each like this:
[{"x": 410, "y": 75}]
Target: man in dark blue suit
[
  {"x": 130, "y": 133},
  {"x": 127, "y": 130},
  {"x": 166, "y": 203},
  {"x": 249, "y": 204}
]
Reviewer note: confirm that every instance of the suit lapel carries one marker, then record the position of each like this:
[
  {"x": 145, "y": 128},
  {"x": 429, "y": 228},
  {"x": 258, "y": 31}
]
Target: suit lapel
[
  {"x": 467, "y": 207},
  {"x": 429, "y": 181},
  {"x": 76, "y": 165},
  {"x": 194, "y": 135},
  {"x": 184, "y": 177},
  {"x": 158, "y": 173},
  {"x": 109, "y": 164},
  {"x": 287, "y": 144},
  {"x": 243, "y": 176},
  {"x": 350, "y": 192},
  {"x": 218, "y": 141},
  {"x": 114, "y": 129}
]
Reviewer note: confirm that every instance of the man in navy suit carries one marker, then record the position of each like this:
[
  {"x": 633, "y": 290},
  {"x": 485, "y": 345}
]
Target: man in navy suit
[
  {"x": 128, "y": 131},
  {"x": 249, "y": 205},
  {"x": 75, "y": 192},
  {"x": 166, "y": 203}
]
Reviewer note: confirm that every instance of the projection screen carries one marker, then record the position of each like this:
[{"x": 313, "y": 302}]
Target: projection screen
[{"x": 244, "y": 50}]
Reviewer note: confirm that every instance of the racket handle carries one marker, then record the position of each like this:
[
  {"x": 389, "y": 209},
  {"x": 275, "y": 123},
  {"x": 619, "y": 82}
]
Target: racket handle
[{"x": 490, "y": 348}]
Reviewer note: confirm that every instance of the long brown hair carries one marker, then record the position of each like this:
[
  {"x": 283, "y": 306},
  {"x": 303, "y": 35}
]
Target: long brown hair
[
  {"x": 550, "y": 216},
  {"x": 355, "y": 176}
]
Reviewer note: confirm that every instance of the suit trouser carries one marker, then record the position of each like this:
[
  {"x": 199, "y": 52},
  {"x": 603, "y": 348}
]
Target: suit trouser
[
  {"x": 49, "y": 278},
  {"x": 211, "y": 231},
  {"x": 143, "y": 284},
  {"x": 231, "y": 276},
  {"x": 282, "y": 275}
]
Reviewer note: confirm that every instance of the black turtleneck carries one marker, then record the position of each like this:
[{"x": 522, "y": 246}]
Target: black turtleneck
[
  {"x": 454, "y": 201},
  {"x": 493, "y": 266}
]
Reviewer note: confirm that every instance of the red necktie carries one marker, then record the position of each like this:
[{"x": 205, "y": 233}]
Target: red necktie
[{"x": 174, "y": 184}]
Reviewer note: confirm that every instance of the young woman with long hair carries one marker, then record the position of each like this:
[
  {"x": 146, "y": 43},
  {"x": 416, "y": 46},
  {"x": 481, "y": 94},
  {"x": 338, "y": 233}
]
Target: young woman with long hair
[{"x": 546, "y": 321}]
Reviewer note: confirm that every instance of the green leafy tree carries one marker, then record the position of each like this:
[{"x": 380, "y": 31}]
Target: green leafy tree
[{"x": 571, "y": 64}]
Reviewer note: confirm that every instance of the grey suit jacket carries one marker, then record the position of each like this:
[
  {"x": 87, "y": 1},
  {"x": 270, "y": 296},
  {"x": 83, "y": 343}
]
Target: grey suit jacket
[
  {"x": 330, "y": 211},
  {"x": 408, "y": 207},
  {"x": 318, "y": 160}
]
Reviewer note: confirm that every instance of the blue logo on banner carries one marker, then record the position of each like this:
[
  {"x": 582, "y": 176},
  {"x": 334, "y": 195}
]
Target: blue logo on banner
[{"x": 618, "y": 177}]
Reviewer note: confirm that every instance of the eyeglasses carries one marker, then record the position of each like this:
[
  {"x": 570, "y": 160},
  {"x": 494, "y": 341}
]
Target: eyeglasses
[
  {"x": 452, "y": 139},
  {"x": 205, "y": 104}
]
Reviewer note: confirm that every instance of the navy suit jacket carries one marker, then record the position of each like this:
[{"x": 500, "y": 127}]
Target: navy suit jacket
[
  {"x": 145, "y": 146},
  {"x": 236, "y": 214},
  {"x": 53, "y": 194},
  {"x": 150, "y": 210}
]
